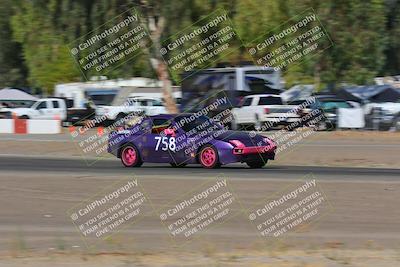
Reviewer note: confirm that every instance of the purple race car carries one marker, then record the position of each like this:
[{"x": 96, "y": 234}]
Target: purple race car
[{"x": 188, "y": 139}]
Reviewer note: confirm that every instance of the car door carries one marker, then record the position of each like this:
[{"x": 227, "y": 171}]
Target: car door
[
  {"x": 240, "y": 113},
  {"x": 157, "y": 146},
  {"x": 186, "y": 143},
  {"x": 246, "y": 110},
  {"x": 44, "y": 111},
  {"x": 252, "y": 110},
  {"x": 58, "y": 110}
]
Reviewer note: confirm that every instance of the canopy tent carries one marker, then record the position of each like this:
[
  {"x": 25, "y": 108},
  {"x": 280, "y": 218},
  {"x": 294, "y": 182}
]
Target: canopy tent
[
  {"x": 302, "y": 91},
  {"x": 9, "y": 94},
  {"x": 371, "y": 93}
]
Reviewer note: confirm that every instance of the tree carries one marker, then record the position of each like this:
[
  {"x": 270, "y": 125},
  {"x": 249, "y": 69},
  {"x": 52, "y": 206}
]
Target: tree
[
  {"x": 355, "y": 27},
  {"x": 12, "y": 68},
  {"x": 44, "y": 50},
  {"x": 392, "y": 64},
  {"x": 35, "y": 48}
]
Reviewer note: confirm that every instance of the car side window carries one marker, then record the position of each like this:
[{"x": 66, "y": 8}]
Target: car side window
[
  {"x": 55, "y": 104},
  {"x": 42, "y": 105},
  {"x": 247, "y": 102},
  {"x": 159, "y": 125},
  {"x": 157, "y": 103},
  {"x": 270, "y": 100}
]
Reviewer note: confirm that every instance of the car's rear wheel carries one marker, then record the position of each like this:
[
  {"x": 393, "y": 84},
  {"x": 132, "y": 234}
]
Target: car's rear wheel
[
  {"x": 178, "y": 165},
  {"x": 256, "y": 164},
  {"x": 130, "y": 156},
  {"x": 208, "y": 157}
]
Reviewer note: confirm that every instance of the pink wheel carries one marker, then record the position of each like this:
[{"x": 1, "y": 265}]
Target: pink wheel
[
  {"x": 209, "y": 157},
  {"x": 130, "y": 156}
]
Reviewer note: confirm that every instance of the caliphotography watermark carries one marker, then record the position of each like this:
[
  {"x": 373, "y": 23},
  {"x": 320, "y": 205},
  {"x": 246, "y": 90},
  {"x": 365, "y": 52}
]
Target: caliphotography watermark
[
  {"x": 292, "y": 210},
  {"x": 302, "y": 36},
  {"x": 109, "y": 211},
  {"x": 198, "y": 46},
  {"x": 96, "y": 138},
  {"x": 111, "y": 44},
  {"x": 297, "y": 122},
  {"x": 193, "y": 131},
  {"x": 196, "y": 212}
]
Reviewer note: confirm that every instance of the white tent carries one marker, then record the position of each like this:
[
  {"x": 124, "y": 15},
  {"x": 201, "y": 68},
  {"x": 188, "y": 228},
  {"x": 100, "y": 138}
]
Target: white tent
[{"x": 9, "y": 94}]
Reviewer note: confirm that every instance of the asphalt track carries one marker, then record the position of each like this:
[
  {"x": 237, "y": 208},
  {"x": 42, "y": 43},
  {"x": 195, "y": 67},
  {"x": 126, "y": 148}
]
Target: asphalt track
[
  {"x": 113, "y": 167},
  {"x": 37, "y": 191}
]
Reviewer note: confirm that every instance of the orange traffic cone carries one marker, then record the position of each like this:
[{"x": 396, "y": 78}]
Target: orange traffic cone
[{"x": 100, "y": 131}]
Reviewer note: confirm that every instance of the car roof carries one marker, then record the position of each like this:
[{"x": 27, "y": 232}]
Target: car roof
[
  {"x": 144, "y": 98},
  {"x": 169, "y": 116},
  {"x": 51, "y": 98},
  {"x": 262, "y": 95}
]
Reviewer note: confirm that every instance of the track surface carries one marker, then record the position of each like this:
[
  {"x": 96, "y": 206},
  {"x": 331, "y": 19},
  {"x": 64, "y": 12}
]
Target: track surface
[
  {"x": 36, "y": 192},
  {"x": 38, "y": 164}
]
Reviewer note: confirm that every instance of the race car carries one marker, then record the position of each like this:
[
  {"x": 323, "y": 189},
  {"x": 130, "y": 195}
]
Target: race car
[{"x": 188, "y": 139}]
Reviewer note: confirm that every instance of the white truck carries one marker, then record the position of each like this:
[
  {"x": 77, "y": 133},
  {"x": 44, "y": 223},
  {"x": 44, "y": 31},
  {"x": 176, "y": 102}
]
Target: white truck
[
  {"x": 263, "y": 111},
  {"x": 53, "y": 108},
  {"x": 140, "y": 105},
  {"x": 46, "y": 108},
  {"x": 384, "y": 116}
]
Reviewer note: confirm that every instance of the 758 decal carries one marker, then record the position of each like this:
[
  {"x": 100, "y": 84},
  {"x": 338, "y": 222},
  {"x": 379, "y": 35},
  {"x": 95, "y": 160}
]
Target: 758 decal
[{"x": 167, "y": 143}]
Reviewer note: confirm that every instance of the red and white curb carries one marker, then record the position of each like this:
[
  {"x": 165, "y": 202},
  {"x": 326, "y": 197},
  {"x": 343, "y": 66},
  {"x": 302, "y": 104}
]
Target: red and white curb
[{"x": 24, "y": 126}]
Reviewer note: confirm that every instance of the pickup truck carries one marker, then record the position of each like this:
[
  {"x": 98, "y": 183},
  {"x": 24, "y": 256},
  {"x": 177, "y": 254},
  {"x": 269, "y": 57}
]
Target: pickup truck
[
  {"x": 53, "y": 108},
  {"x": 263, "y": 111},
  {"x": 139, "y": 105},
  {"x": 384, "y": 116}
]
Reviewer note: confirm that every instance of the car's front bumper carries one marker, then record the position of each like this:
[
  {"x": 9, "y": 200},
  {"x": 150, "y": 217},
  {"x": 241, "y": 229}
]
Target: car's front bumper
[{"x": 230, "y": 154}]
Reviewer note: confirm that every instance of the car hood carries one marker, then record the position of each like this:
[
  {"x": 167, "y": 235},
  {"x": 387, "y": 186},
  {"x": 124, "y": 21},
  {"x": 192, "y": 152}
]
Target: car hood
[{"x": 18, "y": 111}]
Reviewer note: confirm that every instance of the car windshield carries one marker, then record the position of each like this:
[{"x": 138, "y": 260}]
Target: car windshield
[
  {"x": 270, "y": 100},
  {"x": 35, "y": 104},
  {"x": 157, "y": 103},
  {"x": 190, "y": 122}
]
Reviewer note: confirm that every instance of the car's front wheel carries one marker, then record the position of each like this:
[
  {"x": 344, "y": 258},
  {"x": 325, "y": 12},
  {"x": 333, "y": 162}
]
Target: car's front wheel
[
  {"x": 208, "y": 157},
  {"x": 130, "y": 156},
  {"x": 256, "y": 164}
]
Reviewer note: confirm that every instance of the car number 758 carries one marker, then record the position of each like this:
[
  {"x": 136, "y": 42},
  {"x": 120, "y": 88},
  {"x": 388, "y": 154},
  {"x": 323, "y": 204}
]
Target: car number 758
[{"x": 167, "y": 143}]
